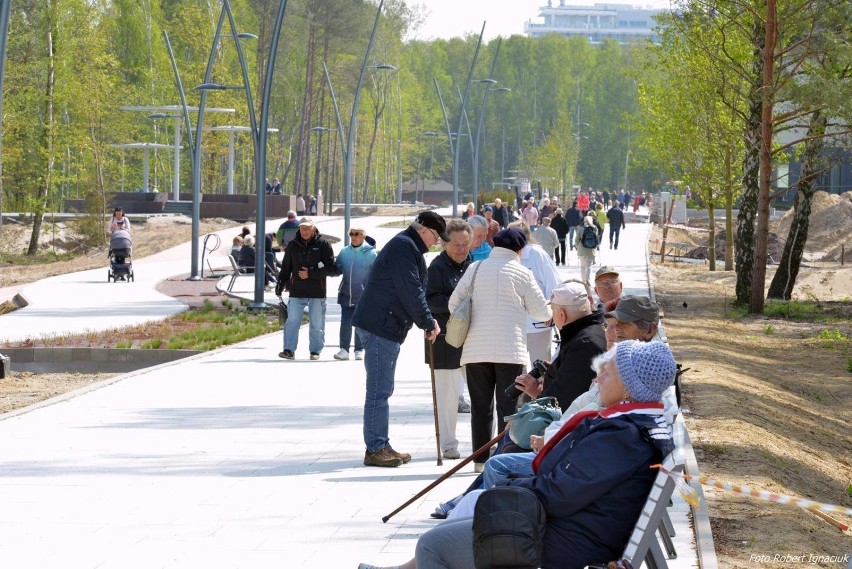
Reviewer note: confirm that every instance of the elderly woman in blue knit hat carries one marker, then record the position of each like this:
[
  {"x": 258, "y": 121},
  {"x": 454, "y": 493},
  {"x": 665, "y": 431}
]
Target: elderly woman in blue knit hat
[{"x": 593, "y": 476}]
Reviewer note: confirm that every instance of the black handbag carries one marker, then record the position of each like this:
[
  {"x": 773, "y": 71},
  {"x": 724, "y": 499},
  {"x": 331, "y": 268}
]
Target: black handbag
[
  {"x": 508, "y": 529},
  {"x": 283, "y": 313}
]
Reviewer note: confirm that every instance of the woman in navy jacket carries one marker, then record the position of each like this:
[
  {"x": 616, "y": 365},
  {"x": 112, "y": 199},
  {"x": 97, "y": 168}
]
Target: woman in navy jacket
[{"x": 593, "y": 476}]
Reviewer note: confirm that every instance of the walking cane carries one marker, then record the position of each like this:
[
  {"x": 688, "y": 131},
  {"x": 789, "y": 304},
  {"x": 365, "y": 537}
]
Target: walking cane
[
  {"x": 449, "y": 473},
  {"x": 435, "y": 402}
]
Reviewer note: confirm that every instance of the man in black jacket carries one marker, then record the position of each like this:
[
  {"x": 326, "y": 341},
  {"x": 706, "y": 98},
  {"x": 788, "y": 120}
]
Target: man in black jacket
[
  {"x": 308, "y": 260},
  {"x": 581, "y": 338},
  {"x": 575, "y": 220},
  {"x": 616, "y": 223},
  {"x": 394, "y": 300},
  {"x": 560, "y": 224}
]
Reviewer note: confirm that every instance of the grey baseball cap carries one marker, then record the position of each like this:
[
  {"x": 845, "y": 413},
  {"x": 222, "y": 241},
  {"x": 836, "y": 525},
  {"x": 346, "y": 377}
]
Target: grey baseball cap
[{"x": 632, "y": 308}]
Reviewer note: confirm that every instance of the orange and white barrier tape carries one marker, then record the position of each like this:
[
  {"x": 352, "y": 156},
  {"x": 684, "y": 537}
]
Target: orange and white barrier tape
[{"x": 690, "y": 495}]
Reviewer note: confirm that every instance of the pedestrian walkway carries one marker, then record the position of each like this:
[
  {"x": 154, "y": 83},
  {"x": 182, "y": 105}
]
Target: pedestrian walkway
[{"x": 233, "y": 458}]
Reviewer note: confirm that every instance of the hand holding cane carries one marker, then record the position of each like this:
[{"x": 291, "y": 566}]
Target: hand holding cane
[
  {"x": 484, "y": 448},
  {"x": 435, "y": 402}
]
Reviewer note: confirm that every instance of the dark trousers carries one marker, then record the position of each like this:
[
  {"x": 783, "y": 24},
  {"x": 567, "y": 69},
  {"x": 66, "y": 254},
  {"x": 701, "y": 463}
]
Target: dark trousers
[
  {"x": 560, "y": 252},
  {"x": 485, "y": 382},
  {"x": 614, "y": 231}
]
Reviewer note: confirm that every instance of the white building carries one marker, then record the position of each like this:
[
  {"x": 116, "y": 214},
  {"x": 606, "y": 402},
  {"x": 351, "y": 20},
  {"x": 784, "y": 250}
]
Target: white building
[{"x": 620, "y": 22}]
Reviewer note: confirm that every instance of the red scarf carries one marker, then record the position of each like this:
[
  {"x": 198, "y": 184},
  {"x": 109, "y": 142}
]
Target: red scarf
[{"x": 577, "y": 418}]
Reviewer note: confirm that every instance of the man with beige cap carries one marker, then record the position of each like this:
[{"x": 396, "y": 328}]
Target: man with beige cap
[{"x": 581, "y": 338}]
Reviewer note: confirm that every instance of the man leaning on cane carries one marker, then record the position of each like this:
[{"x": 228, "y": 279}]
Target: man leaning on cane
[{"x": 394, "y": 300}]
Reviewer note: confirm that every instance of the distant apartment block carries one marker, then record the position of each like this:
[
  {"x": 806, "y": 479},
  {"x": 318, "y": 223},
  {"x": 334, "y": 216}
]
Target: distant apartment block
[{"x": 620, "y": 22}]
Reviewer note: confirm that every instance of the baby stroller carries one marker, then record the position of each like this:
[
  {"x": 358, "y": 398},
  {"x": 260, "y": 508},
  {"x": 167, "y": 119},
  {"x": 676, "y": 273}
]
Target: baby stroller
[{"x": 120, "y": 264}]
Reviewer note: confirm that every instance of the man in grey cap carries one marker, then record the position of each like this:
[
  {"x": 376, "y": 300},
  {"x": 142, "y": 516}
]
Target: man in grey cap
[
  {"x": 608, "y": 287},
  {"x": 394, "y": 300},
  {"x": 634, "y": 318}
]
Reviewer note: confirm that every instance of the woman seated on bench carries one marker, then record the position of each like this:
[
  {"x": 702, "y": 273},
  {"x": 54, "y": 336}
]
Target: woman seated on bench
[
  {"x": 248, "y": 257},
  {"x": 593, "y": 477}
]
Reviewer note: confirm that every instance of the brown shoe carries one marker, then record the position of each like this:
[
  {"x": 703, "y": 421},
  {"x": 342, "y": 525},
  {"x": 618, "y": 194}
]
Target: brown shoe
[
  {"x": 382, "y": 457},
  {"x": 404, "y": 456}
]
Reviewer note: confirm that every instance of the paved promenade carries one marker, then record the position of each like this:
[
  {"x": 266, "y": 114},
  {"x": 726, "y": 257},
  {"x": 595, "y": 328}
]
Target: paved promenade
[{"x": 230, "y": 459}]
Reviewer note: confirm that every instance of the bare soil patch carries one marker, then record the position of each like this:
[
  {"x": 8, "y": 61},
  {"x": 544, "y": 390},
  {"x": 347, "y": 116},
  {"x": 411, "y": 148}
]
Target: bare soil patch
[
  {"x": 26, "y": 388},
  {"x": 770, "y": 402}
]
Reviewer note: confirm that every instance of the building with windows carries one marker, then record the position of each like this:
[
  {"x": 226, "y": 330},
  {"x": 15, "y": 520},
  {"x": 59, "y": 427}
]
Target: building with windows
[{"x": 599, "y": 22}]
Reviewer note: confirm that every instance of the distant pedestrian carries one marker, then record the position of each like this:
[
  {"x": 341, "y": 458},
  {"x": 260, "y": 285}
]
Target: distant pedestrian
[
  {"x": 493, "y": 224},
  {"x": 501, "y": 214},
  {"x": 300, "y": 205},
  {"x": 288, "y": 230},
  {"x": 600, "y": 216},
  {"x": 586, "y": 244},
  {"x": 354, "y": 262},
  {"x": 575, "y": 219},
  {"x": 616, "y": 224},
  {"x": 308, "y": 261},
  {"x": 547, "y": 237},
  {"x": 560, "y": 225}
]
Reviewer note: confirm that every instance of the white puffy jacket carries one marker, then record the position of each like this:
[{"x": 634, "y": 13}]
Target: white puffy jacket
[{"x": 504, "y": 293}]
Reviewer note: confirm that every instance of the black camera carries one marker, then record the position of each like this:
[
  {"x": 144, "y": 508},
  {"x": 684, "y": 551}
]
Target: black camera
[{"x": 538, "y": 370}]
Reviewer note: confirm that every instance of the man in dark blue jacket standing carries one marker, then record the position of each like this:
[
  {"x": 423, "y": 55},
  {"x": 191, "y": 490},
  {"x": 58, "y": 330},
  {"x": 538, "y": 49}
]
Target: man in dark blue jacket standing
[{"x": 393, "y": 301}]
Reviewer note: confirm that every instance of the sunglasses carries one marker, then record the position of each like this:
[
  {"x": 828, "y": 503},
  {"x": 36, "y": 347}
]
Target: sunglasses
[{"x": 354, "y": 233}]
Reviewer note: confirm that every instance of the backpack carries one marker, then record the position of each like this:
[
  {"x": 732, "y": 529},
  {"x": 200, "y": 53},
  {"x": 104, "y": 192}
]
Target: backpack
[
  {"x": 590, "y": 237},
  {"x": 508, "y": 529}
]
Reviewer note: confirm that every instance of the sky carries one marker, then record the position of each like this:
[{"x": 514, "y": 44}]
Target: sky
[{"x": 452, "y": 18}]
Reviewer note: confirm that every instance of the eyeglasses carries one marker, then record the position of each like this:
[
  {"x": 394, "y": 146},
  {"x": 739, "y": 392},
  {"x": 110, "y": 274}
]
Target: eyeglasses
[
  {"x": 541, "y": 325},
  {"x": 435, "y": 233},
  {"x": 607, "y": 283},
  {"x": 355, "y": 233}
]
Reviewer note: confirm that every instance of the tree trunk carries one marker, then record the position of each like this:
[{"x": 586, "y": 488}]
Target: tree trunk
[
  {"x": 711, "y": 219},
  {"x": 47, "y": 134},
  {"x": 788, "y": 269},
  {"x": 758, "y": 282},
  {"x": 751, "y": 167},
  {"x": 729, "y": 212}
]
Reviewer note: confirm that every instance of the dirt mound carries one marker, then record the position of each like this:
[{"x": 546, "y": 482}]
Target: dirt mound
[{"x": 830, "y": 226}]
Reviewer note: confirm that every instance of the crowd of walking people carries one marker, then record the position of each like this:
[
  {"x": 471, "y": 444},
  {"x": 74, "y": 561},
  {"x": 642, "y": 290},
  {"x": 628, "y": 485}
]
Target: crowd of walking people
[{"x": 602, "y": 359}]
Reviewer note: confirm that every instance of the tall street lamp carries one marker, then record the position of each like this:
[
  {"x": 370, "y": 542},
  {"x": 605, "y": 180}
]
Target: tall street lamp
[
  {"x": 259, "y": 133},
  {"x": 479, "y": 122},
  {"x": 347, "y": 141},
  {"x": 461, "y": 118}
]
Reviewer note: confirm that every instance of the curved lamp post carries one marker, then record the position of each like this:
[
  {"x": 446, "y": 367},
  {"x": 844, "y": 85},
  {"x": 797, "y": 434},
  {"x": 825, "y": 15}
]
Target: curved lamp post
[
  {"x": 479, "y": 122},
  {"x": 347, "y": 140},
  {"x": 259, "y": 133}
]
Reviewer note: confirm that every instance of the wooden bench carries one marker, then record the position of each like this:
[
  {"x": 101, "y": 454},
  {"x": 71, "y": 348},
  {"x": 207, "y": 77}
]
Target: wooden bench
[
  {"x": 644, "y": 546},
  {"x": 238, "y": 271}
]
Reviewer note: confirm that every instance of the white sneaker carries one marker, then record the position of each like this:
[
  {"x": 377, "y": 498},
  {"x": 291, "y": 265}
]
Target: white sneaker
[
  {"x": 479, "y": 467},
  {"x": 359, "y": 354},
  {"x": 341, "y": 355},
  {"x": 452, "y": 453}
]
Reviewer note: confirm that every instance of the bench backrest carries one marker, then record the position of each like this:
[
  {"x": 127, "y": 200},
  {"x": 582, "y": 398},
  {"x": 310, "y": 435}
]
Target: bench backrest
[{"x": 645, "y": 531}]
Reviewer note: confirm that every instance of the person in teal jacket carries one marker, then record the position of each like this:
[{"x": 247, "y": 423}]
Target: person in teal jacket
[{"x": 354, "y": 263}]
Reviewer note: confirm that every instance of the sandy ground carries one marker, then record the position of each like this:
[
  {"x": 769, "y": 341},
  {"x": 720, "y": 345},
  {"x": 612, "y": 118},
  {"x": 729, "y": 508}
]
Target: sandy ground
[{"x": 769, "y": 401}]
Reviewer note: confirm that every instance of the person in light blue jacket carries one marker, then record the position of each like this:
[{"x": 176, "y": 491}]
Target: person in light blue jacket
[{"x": 354, "y": 263}]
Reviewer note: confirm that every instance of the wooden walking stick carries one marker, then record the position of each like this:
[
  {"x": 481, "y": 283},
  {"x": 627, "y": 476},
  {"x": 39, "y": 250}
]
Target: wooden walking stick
[
  {"x": 450, "y": 472},
  {"x": 435, "y": 402}
]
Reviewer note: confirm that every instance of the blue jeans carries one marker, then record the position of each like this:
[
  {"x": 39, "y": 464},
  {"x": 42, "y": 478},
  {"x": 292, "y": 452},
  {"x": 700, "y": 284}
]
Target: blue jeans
[
  {"x": 346, "y": 313},
  {"x": 316, "y": 317},
  {"x": 500, "y": 466},
  {"x": 380, "y": 355}
]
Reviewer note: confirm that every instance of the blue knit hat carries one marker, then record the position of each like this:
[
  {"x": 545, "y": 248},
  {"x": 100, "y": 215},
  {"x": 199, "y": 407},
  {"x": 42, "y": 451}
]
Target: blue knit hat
[{"x": 646, "y": 369}]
